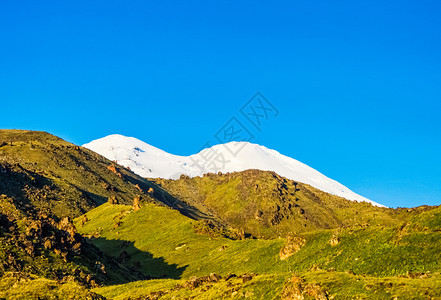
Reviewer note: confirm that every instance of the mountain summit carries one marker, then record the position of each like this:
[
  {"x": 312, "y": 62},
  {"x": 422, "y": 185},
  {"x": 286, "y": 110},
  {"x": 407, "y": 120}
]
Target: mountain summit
[{"x": 151, "y": 162}]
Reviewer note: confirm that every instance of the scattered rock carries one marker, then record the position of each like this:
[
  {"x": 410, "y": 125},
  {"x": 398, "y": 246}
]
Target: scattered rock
[
  {"x": 334, "y": 241},
  {"x": 215, "y": 277},
  {"x": 292, "y": 245},
  {"x": 223, "y": 247},
  {"x": 84, "y": 220},
  {"x": 296, "y": 289},
  {"x": 112, "y": 200},
  {"x": 112, "y": 168},
  {"x": 258, "y": 214},
  {"x": 247, "y": 277},
  {"x": 136, "y": 203},
  {"x": 138, "y": 187}
]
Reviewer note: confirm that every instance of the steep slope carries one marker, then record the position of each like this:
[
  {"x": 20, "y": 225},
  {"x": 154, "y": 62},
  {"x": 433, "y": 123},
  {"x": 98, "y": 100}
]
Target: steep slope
[
  {"x": 44, "y": 182},
  {"x": 152, "y": 162},
  {"x": 62, "y": 179},
  {"x": 267, "y": 205},
  {"x": 33, "y": 243}
]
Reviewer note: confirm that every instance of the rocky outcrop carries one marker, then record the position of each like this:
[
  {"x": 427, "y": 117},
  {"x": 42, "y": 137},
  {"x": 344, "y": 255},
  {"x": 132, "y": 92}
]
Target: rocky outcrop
[
  {"x": 292, "y": 245},
  {"x": 297, "y": 288},
  {"x": 136, "y": 203}
]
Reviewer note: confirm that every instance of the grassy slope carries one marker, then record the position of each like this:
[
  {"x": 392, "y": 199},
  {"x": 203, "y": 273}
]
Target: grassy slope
[
  {"x": 159, "y": 236},
  {"x": 15, "y": 286},
  {"x": 268, "y": 205},
  {"x": 274, "y": 286},
  {"x": 42, "y": 179}
]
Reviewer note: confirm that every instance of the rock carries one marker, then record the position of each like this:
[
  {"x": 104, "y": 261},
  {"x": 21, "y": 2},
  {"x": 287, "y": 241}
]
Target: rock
[
  {"x": 258, "y": 214},
  {"x": 136, "y": 203},
  {"x": 112, "y": 168},
  {"x": 117, "y": 224},
  {"x": 215, "y": 277},
  {"x": 48, "y": 244},
  {"x": 223, "y": 247},
  {"x": 292, "y": 245},
  {"x": 138, "y": 187},
  {"x": 112, "y": 200},
  {"x": 194, "y": 282},
  {"x": 334, "y": 241},
  {"x": 84, "y": 220},
  {"x": 247, "y": 277},
  {"x": 100, "y": 267},
  {"x": 296, "y": 289}
]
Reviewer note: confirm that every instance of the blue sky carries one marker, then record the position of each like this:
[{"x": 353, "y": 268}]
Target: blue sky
[{"x": 357, "y": 83}]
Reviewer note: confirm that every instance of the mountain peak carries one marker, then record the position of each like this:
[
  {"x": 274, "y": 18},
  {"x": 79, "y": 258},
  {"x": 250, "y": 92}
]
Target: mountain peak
[{"x": 149, "y": 161}]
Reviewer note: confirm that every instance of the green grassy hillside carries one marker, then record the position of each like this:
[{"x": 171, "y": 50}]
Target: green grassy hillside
[
  {"x": 44, "y": 181},
  {"x": 267, "y": 205},
  {"x": 163, "y": 243}
]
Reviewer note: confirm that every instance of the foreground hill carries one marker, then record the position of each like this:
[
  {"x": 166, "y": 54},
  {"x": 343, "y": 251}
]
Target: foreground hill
[
  {"x": 44, "y": 182},
  {"x": 152, "y": 162},
  {"x": 365, "y": 261}
]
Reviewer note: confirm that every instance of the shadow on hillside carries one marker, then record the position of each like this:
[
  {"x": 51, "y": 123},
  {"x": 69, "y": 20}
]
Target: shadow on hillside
[
  {"x": 92, "y": 199},
  {"x": 167, "y": 199},
  {"x": 16, "y": 180},
  {"x": 184, "y": 208},
  {"x": 126, "y": 254}
]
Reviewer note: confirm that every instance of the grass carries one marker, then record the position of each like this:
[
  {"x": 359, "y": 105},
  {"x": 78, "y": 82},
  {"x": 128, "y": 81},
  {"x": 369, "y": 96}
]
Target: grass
[
  {"x": 15, "y": 286},
  {"x": 336, "y": 285},
  {"x": 166, "y": 234},
  {"x": 260, "y": 287},
  {"x": 165, "y": 244}
]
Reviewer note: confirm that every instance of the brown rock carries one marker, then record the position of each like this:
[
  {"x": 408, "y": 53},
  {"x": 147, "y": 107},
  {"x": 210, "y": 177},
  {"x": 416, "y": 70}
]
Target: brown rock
[
  {"x": 247, "y": 277},
  {"x": 296, "y": 289},
  {"x": 215, "y": 277},
  {"x": 136, "y": 203},
  {"x": 112, "y": 168},
  {"x": 334, "y": 241},
  {"x": 48, "y": 244},
  {"x": 84, "y": 220},
  {"x": 112, "y": 200},
  {"x": 292, "y": 245}
]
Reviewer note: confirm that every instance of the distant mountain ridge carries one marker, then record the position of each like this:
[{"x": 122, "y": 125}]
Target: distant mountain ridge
[{"x": 151, "y": 162}]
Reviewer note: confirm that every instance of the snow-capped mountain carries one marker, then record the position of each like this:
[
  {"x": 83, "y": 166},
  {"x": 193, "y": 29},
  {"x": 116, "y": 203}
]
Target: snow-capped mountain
[{"x": 151, "y": 162}]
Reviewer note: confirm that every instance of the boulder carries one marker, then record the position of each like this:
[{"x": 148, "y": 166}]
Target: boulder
[{"x": 292, "y": 245}]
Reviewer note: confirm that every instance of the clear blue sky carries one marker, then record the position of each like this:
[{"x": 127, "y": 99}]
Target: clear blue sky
[{"x": 357, "y": 83}]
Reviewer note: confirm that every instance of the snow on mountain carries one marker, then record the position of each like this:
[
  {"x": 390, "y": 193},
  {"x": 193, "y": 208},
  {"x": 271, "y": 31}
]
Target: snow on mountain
[{"x": 151, "y": 162}]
